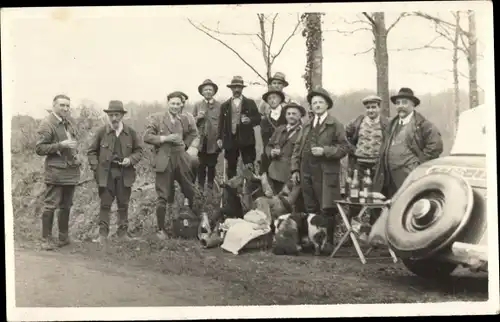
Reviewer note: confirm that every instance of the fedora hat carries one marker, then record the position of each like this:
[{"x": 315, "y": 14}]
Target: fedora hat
[
  {"x": 406, "y": 92},
  {"x": 115, "y": 106},
  {"x": 371, "y": 99},
  {"x": 208, "y": 82},
  {"x": 297, "y": 106},
  {"x": 272, "y": 90},
  {"x": 320, "y": 92},
  {"x": 279, "y": 76},
  {"x": 236, "y": 81}
]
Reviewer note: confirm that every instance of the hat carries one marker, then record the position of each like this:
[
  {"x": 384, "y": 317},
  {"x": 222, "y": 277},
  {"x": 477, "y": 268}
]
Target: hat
[
  {"x": 320, "y": 92},
  {"x": 178, "y": 94},
  {"x": 236, "y": 81},
  {"x": 208, "y": 82},
  {"x": 405, "y": 92},
  {"x": 115, "y": 106},
  {"x": 370, "y": 99},
  {"x": 280, "y": 77},
  {"x": 272, "y": 90},
  {"x": 295, "y": 105}
]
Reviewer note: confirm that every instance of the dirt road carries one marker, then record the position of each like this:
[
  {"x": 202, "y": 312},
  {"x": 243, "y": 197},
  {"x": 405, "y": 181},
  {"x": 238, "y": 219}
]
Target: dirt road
[{"x": 181, "y": 273}]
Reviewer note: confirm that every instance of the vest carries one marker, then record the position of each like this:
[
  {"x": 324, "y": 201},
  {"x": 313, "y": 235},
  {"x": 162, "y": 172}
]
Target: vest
[
  {"x": 399, "y": 154},
  {"x": 311, "y": 140},
  {"x": 235, "y": 115}
]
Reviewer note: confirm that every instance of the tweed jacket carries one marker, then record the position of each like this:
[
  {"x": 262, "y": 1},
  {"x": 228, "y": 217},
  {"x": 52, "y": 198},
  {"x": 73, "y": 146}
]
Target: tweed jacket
[
  {"x": 246, "y": 132},
  {"x": 208, "y": 126},
  {"x": 279, "y": 169}
]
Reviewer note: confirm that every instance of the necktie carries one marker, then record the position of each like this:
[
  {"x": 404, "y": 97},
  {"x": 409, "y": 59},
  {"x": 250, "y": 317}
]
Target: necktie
[{"x": 316, "y": 123}]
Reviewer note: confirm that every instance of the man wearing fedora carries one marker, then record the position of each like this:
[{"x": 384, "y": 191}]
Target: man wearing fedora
[
  {"x": 280, "y": 146},
  {"x": 113, "y": 153},
  {"x": 411, "y": 141},
  {"x": 207, "y": 114},
  {"x": 170, "y": 132},
  {"x": 277, "y": 81},
  {"x": 271, "y": 120},
  {"x": 239, "y": 115},
  {"x": 316, "y": 159},
  {"x": 365, "y": 133},
  {"x": 57, "y": 140}
]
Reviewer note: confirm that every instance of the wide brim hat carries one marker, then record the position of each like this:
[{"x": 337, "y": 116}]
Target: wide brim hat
[
  {"x": 237, "y": 81},
  {"x": 114, "y": 107},
  {"x": 320, "y": 92},
  {"x": 279, "y": 77},
  {"x": 371, "y": 99},
  {"x": 406, "y": 92},
  {"x": 208, "y": 82},
  {"x": 273, "y": 91},
  {"x": 297, "y": 106}
]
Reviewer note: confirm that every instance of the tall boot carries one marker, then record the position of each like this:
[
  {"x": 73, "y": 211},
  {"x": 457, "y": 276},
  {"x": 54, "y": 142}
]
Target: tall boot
[
  {"x": 210, "y": 177},
  {"x": 123, "y": 233},
  {"x": 202, "y": 173},
  {"x": 103, "y": 226},
  {"x": 160, "y": 221},
  {"x": 330, "y": 214},
  {"x": 47, "y": 222},
  {"x": 63, "y": 223}
]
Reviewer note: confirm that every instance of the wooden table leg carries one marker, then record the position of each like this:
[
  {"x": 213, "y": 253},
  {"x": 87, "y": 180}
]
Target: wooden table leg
[
  {"x": 350, "y": 233},
  {"x": 393, "y": 255}
]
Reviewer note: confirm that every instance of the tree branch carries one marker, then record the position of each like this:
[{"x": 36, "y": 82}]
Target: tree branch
[
  {"x": 347, "y": 32},
  {"x": 225, "y": 33},
  {"x": 230, "y": 48},
  {"x": 370, "y": 19},
  {"x": 294, "y": 32},
  {"x": 402, "y": 15},
  {"x": 364, "y": 52},
  {"x": 437, "y": 20},
  {"x": 273, "y": 25}
]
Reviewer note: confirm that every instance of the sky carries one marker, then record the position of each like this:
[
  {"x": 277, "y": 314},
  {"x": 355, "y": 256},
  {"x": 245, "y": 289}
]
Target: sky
[{"x": 143, "y": 53}]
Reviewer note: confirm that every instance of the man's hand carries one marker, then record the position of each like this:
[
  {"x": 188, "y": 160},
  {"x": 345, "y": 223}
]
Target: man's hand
[
  {"x": 200, "y": 115},
  {"x": 317, "y": 151},
  {"x": 192, "y": 151},
  {"x": 296, "y": 178},
  {"x": 68, "y": 144},
  {"x": 219, "y": 144},
  {"x": 275, "y": 152},
  {"x": 172, "y": 138},
  {"x": 245, "y": 119},
  {"x": 126, "y": 162}
]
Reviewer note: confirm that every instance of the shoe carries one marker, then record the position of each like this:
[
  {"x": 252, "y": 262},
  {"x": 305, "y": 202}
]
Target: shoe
[
  {"x": 47, "y": 244},
  {"x": 63, "y": 242},
  {"x": 162, "y": 235},
  {"x": 126, "y": 237}
]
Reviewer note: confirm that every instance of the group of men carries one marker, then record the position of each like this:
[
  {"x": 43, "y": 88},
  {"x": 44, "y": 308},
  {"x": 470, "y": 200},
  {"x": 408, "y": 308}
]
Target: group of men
[{"x": 299, "y": 151}]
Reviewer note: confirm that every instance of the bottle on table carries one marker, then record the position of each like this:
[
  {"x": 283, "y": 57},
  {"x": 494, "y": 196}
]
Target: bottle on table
[
  {"x": 347, "y": 185},
  {"x": 368, "y": 186},
  {"x": 354, "y": 187}
]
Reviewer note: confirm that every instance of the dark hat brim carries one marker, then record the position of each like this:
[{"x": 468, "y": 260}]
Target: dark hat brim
[
  {"x": 280, "y": 93},
  {"x": 415, "y": 99},
  {"x": 115, "y": 111},
  {"x": 325, "y": 96},
  {"x": 216, "y": 88},
  {"x": 236, "y": 85},
  {"x": 299, "y": 107},
  {"x": 285, "y": 83}
]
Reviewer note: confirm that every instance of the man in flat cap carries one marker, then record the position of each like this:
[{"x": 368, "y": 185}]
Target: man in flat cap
[
  {"x": 57, "y": 140},
  {"x": 113, "y": 153},
  {"x": 411, "y": 141},
  {"x": 239, "y": 115},
  {"x": 365, "y": 133},
  {"x": 316, "y": 159},
  {"x": 170, "y": 132},
  {"x": 207, "y": 114}
]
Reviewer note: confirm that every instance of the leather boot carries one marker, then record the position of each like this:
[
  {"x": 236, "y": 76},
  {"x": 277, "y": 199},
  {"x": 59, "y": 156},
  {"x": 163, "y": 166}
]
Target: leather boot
[
  {"x": 47, "y": 222},
  {"x": 160, "y": 221},
  {"x": 63, "y": 224}
]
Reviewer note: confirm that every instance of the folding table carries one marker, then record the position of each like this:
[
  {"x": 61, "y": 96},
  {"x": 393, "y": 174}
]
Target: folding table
[{"x": 350, "y": 231}]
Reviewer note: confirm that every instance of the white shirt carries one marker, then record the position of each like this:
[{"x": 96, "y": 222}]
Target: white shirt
[
  {"x": 68, "y": 135},
  {"x": 237, "y": 100},
  {"x": 118, "y": 130},
  {"x": 318, "y": 120},
  {"x": 276, "y": 113},
  {"x": 406, "y": 119},
  {"x": 210, "y": 102}
]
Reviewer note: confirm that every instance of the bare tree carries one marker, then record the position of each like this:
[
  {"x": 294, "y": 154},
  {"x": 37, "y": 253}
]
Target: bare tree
[
  {"x": 265, "y": 36},
  {"x": 314, "y": 57}
]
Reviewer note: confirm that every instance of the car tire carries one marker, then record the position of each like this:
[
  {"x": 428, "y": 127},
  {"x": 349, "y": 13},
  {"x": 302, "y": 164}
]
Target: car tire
[
  {"x": 430, "y": 268},
  {"x": 427, "y": 216}
]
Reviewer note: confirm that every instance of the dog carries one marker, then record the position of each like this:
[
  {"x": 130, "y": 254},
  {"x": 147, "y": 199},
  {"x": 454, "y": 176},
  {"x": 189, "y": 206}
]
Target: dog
[
  {"x": 289, "y": 232},
  {"x": 317, "y": 226}
]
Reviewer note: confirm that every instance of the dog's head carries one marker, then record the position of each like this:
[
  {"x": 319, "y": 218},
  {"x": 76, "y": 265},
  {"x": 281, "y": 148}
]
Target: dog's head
[{"x": 286, "y": 237}]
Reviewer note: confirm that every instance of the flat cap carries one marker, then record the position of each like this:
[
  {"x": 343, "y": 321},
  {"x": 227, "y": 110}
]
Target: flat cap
[{"x": 371, "y": 98}]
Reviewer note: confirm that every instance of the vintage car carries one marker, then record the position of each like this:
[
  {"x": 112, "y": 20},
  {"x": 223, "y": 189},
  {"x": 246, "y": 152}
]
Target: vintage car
[{"x": 437, "y": 219}]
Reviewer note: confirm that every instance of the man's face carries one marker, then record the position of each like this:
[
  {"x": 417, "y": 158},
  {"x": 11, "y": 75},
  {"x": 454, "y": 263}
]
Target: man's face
[
  {"x": 279, "y": 85},
  {"x": 237, "y": 91},
  {"x": 372, "y": 110},
  {"x": 175, "y": 105},
  {"x": 274, "y": 100},
  {"x": 61, "y": 107},
  {"x": 115, "y": 119},
  {"x": 404, "y": 107},
  {"x": 293, "y": 115},
  {"x": 208, "y": 92},
  {"x": 319, "y": 105}
]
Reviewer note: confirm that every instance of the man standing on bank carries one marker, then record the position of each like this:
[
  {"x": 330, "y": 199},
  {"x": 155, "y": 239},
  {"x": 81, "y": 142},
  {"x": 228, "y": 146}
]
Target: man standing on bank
[
  {"x": 169, "y": 132},
  {"x": 239, "y": 115},
  {"x": 207, "y": 114},
  {"x": 57, "y": 140},
  {"x": 113, "y": 153},
  {"x": 316, "y": 159},
  {"x": 411, "y": 141},
  {"x": 366, "y": 134}
]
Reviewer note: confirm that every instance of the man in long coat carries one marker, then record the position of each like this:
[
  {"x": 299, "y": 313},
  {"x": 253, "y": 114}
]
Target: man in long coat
[
  {"x": 316, "y": 158},
  {"x": 239, "y": 115},
  {"x": 170, "y": 132},
  {"x": 113, "y": 153},
  {"x": 207, "y": 114},
  {"x": 412, "y": 140},
  {"x": 57, "y": 140}
]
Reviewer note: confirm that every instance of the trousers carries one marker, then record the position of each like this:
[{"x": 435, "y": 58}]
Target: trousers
[{"x": 57, "y": 197}]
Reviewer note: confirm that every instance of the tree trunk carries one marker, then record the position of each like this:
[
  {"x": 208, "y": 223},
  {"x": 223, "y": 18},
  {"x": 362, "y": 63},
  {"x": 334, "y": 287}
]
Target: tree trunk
[
  {"x": 265, "y": 49},
  {"x": 472, "y": 60},
  {"x": 381, "y": 60},
  {"x": 317, "y": 53},
  {"x": 456, "y": 85}
]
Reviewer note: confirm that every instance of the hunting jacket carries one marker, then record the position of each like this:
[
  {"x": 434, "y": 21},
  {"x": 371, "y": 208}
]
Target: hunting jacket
[
  {"x": 208, "y": 126},
  {"x": 279, "y": 169},
  {"x": 100, "y": 153}
]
